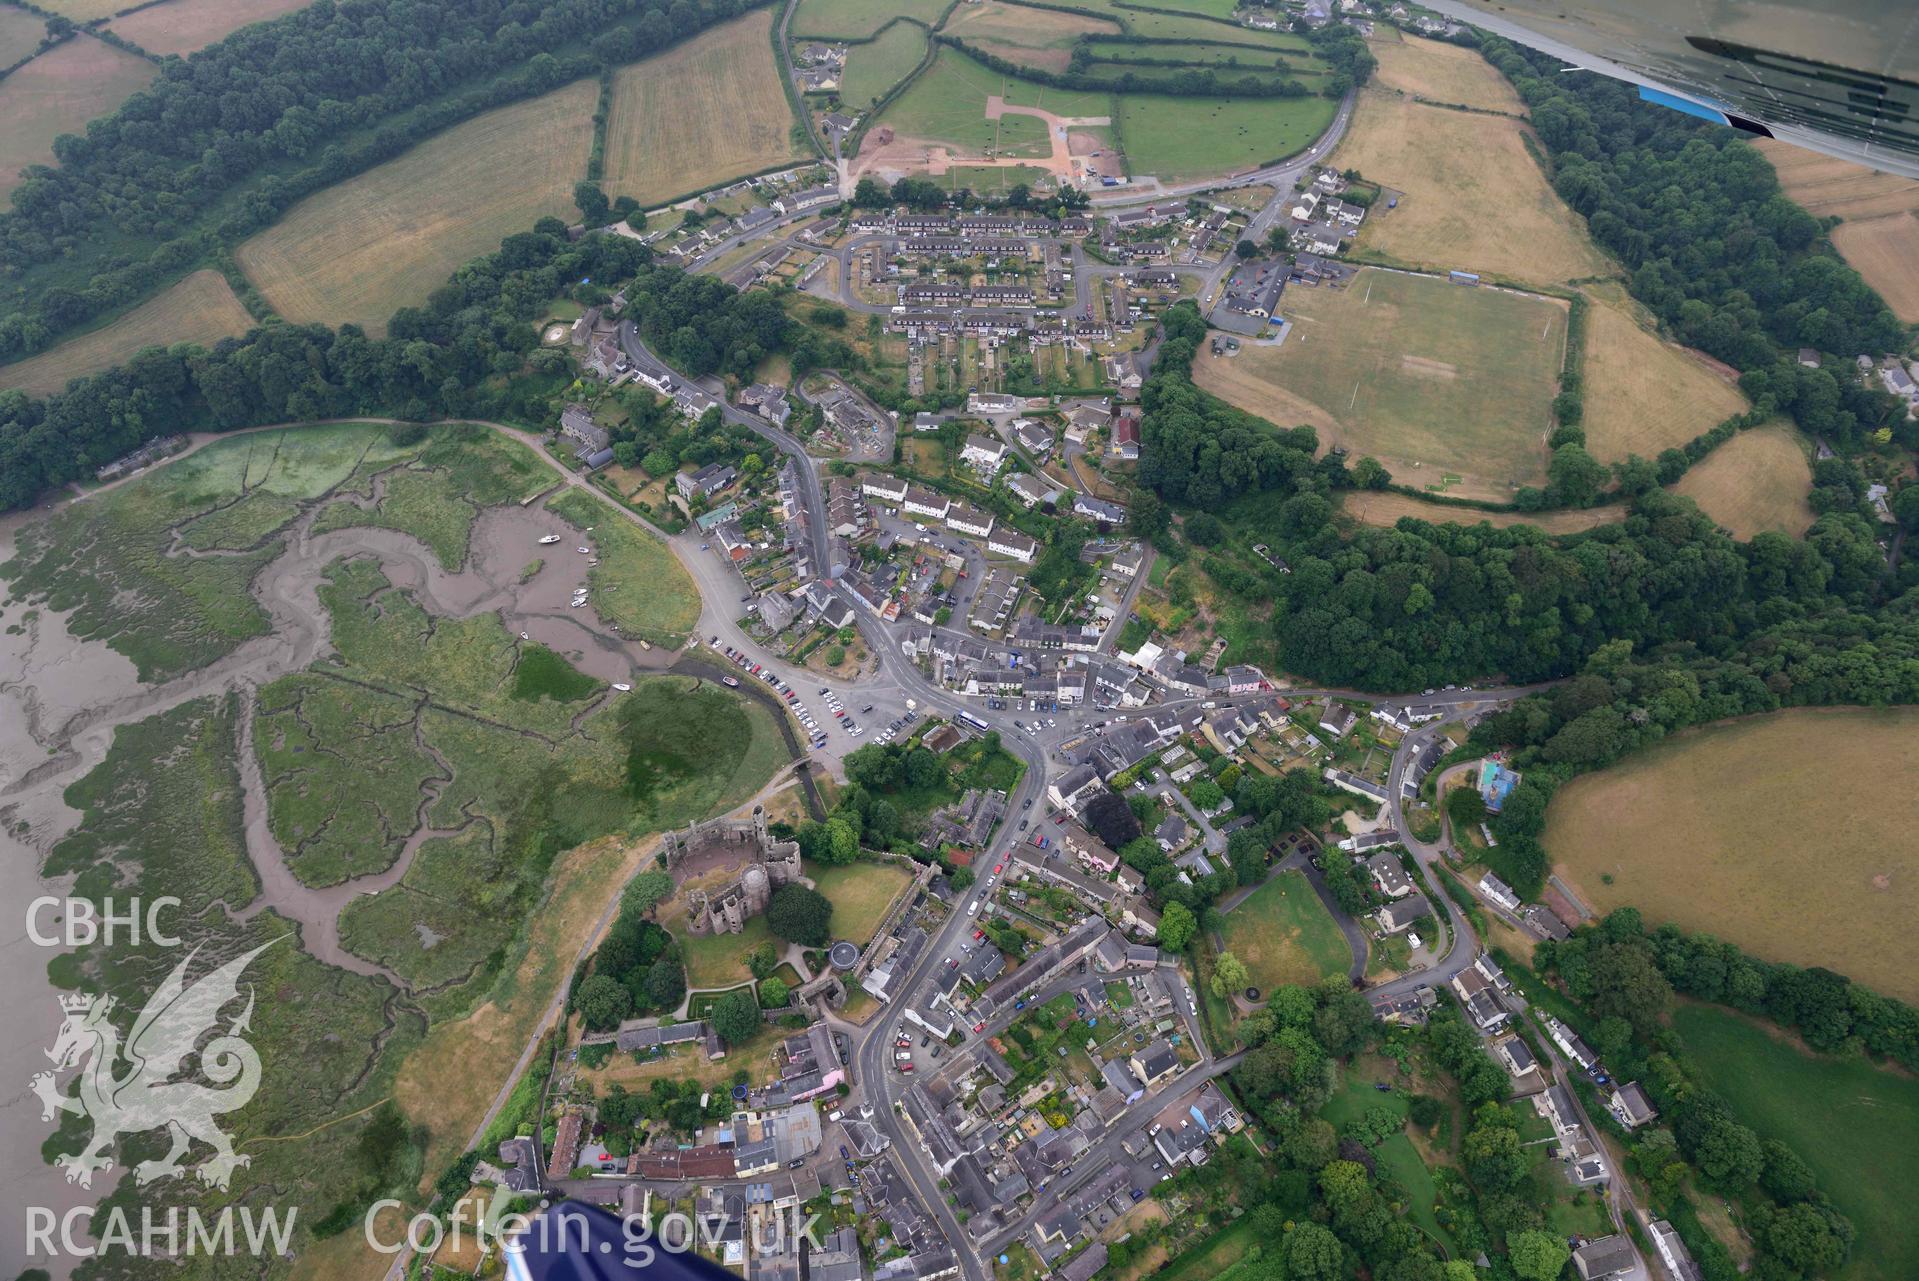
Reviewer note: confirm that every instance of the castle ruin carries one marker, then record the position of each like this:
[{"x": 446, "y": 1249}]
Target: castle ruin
[{"x": 768, "y": 865}]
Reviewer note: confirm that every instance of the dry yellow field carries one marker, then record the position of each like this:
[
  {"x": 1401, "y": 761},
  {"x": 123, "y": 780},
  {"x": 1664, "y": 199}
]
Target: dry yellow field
[
  {"x": 199, "y": 309},
  {"x": 1788, "y": 834},
  {"x": 1455, "y": 168},
  {"x": 1371, "y": 507},
  {"x": 698, "y": 114},
  {"x": 1441, "y": 72},
  {"x": 360, "y": 250},
  {"x": 1880, "y": 234},
  {"x": 183, "y": 26},
  {"x": 1886, "y": 252},
  {"x": 1755, "y": 482},
  {"x": 58, "y": 92},
  {"x": 1643, "y": 394}
]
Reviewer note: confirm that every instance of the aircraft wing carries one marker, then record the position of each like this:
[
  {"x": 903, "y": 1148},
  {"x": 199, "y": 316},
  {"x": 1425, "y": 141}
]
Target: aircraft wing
[{"x": 1837, "y": 76}]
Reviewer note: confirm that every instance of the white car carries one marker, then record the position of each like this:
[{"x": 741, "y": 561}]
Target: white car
[{"x": 622, "y": 687}]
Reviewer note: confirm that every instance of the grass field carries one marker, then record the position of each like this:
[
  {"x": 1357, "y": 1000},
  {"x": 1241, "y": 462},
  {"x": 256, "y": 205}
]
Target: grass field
[
  {"x": 1283, "y": 935},
  {"x": 199, "y": 309},
  {"x": 857, "y": 18},
  {"x": 1855, "y": 1125},
  {"x": 1788, "y": 834},
  {"x": 990, "y": 180},
  {"x": 1880, "y": 232},
  {"x": 1643, "y": 394},
  {"x": 872, "y": 69},
  {"x": 58, "y": 92},
  {"x": 1374, "y": 508},
  {"x": 1157, "y": 25},
  {"x": 1435, "y": 380},
  {"x": 861, "y": 893},
  {"x": 699, "y": 114},
  {"x": 363, "y": 248},
  {"x": 1032, "y": 37},
  {"x": 20, "y": 34},
  {"x": 1440, "y": 72},
  {"x": 1173, "y": 138},
  {"x": 182, "y": 26},
  {"x": 85, "y": 10},
  {"x": 1225, "y": 55},
  {"x": 947, "y": 103},
  {"x": 1453, "y": 167},
  {"x": 1754, "y": 482},
  {"x": 639, "y": 583}
]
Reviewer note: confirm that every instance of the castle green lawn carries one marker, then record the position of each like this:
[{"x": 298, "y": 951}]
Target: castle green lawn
[
  {"x": 1856, "y": 1125},
  {"x": 860, "y": 894},
  {"x": 1172, "y": 137},
  {"x": 719, "y": 960}
]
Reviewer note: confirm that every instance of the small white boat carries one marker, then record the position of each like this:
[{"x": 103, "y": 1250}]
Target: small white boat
[
  {"x": 623, "y": 688},
  {"x": 586, "y": 551},
  {"x": 549, "y": 540},
  {"x": 576, "y": 604},
  {"x": 524, "y": 636},
  {"x": 590, "y": 564}
]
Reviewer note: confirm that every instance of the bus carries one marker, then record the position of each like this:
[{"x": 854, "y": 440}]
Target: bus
[{"x": 975, "y": 722}]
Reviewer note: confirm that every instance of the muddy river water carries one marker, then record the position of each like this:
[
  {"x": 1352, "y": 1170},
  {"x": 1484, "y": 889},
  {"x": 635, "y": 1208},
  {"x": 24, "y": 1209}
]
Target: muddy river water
[{"x": 61, "y": 700}]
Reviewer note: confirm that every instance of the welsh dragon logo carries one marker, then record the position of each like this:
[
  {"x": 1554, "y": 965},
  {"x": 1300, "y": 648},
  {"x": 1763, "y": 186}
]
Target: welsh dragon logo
[{"x": 131, "y": 1089}]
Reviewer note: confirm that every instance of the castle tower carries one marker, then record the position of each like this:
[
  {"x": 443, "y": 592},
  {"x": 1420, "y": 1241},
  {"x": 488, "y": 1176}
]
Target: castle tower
[{"x": 759, "y": 827}]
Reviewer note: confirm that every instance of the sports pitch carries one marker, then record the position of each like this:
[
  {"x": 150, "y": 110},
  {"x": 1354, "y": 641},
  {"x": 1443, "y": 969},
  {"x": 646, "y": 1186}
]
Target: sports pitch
[{"x": 1449, "y": 386}]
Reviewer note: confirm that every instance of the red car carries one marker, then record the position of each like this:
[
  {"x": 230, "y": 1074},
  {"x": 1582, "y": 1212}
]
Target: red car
[
  {"x": 998, "y": 868},
  {"x": 979, "y": 1027},
  {"x": 979, "y": 934}
]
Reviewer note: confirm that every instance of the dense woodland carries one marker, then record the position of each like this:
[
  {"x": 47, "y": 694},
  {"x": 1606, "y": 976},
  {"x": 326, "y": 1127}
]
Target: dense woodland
[
  {"x": 222, "y": 143},
  {"x": 1714, "y": 246},
  {"x": 471, "y": 351}
]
